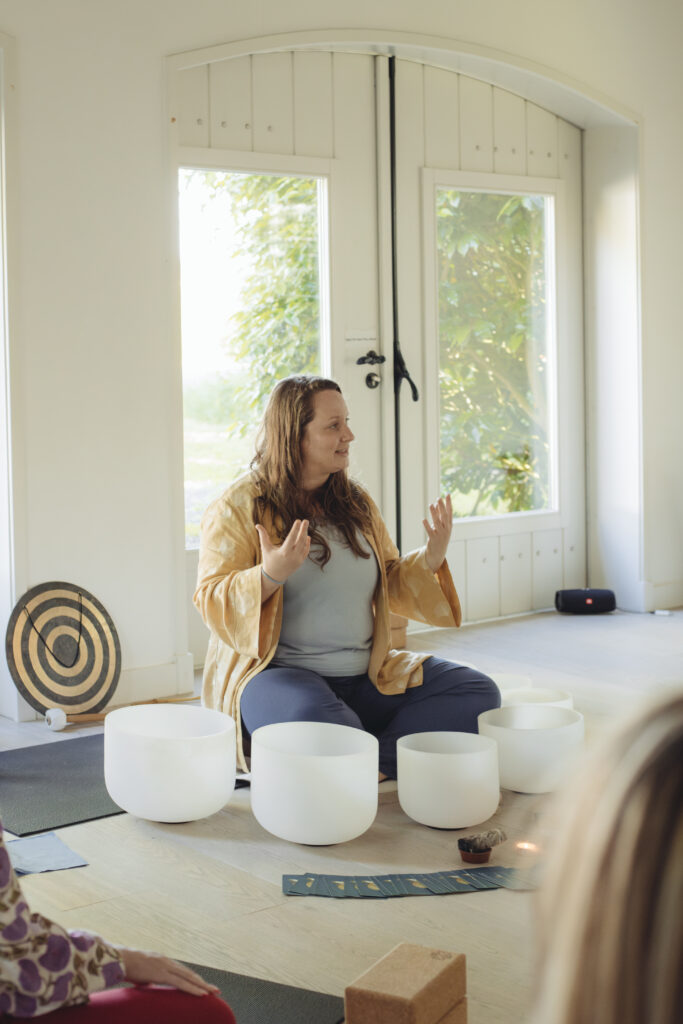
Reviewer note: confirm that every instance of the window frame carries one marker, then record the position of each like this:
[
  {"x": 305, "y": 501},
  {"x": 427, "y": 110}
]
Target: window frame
[
  {"x": 239, "y": 162},
  {"x": 500, "y": 184}
]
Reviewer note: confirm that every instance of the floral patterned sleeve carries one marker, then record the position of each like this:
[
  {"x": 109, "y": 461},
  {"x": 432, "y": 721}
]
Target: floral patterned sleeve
[{"x": 43, "y": 966}]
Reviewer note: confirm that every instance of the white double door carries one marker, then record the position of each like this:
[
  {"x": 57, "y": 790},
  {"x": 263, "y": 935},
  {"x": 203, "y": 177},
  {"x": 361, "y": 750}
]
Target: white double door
[{"x": 328, "y": 114}]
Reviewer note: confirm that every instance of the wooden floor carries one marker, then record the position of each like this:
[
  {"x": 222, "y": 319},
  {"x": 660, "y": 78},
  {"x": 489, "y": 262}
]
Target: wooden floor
[{"x": 210, "y": 891}]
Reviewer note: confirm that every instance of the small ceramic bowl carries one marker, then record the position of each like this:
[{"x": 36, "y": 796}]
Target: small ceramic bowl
[{"x": 481, "y": 857}]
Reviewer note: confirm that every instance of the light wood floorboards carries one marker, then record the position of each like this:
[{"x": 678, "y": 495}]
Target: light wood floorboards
[{"x": 210, "y": 891}]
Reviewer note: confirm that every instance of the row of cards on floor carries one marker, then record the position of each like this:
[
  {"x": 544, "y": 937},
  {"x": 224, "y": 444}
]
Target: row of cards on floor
[{"x": 436, "y": 883}]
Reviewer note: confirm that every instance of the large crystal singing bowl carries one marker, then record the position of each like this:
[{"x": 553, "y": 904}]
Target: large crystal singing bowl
[
  {"x": 169, "y": 763},
  {"x": 536, "y": 744},
  {"x": 314, "y": 782},
  {"x": 448, "y": 779},
  {"x": 538, "y": 695}
]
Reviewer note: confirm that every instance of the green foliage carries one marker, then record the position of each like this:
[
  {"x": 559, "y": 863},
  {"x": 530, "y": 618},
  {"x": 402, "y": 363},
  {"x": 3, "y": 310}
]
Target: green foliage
[
  {"x": 212, "y": 459},
  {"x": 215, "y": 400},
  {"x": 276, "y": 332},
  {"x": 493, "y": 370}
]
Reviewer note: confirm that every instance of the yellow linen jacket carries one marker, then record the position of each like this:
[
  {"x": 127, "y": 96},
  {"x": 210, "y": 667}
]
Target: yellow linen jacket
[{"x": 245, "y": 633}]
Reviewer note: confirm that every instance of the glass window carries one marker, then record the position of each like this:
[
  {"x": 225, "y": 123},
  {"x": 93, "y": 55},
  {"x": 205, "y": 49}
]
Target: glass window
[
  {"x": 496, "y": 344},
  {"x": 253, "y": 298}
]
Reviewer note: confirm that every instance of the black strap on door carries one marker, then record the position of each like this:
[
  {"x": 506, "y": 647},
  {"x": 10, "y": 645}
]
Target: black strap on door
[{"x": 400, "y": 368}]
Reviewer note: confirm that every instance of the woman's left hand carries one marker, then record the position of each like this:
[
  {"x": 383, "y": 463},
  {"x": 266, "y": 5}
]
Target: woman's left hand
[
  {"x": 143, "y": 968},
  {"x": 439, "y": 531}
]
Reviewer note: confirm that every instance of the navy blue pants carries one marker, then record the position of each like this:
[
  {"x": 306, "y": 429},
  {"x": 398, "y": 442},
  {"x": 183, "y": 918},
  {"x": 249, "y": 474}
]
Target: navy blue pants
[{"x": 450, "y": 699}]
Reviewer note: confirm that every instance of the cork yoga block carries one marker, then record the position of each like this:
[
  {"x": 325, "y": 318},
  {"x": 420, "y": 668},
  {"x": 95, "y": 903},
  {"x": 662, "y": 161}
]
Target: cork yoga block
[
  {"x": 456, "y": 1015},
  {"x": 410, "y": 985}
]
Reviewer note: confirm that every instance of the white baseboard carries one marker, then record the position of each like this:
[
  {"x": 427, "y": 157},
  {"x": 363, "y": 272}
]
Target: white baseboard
[
  {"x": 662, "y": 595},
  {"x": 12, "y": 704},
  {"x": 169, "y": 680}
]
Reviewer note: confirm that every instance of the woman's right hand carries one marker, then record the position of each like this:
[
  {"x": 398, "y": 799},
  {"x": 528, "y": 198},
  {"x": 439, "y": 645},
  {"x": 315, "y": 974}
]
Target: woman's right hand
[{"x": 280, "y": 561}]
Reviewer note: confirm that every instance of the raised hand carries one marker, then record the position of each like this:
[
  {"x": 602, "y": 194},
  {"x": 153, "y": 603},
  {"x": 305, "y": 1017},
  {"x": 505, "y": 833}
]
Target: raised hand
[
  {"x": 439, "y": 531},
  {"x": 280, "y": 561}
]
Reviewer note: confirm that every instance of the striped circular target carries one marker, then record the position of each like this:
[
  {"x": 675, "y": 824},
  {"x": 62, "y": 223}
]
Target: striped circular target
[{"x": 62, "y": 649}]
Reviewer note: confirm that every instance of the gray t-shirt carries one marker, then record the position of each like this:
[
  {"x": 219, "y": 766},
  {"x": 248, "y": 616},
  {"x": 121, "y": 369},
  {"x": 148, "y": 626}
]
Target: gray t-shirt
[{"x": 327, "y": 618}]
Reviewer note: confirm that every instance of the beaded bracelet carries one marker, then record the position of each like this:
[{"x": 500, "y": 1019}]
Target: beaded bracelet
[{"x": 278, "y": 583}]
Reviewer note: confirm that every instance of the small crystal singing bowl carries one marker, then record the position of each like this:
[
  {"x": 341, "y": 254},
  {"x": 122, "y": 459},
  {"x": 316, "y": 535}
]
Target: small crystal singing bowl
[
  {"x": 169, "y": 763},
  {"x": 538, "y": 695},
  {"x": 448, "y": 779},
  {"x": 536, "y": 744},
  {"x": 314, "y": 782}
]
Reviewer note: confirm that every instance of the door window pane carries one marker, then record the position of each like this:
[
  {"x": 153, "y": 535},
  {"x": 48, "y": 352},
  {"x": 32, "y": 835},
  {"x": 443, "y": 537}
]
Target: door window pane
[
  {"x": 253, "y": 311},
  {"x": 494, "y": 265}
]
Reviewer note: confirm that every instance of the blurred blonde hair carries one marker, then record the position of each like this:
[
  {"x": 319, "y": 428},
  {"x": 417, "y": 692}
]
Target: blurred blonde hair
[
  {"x": 611, "y": 903},
  {"x": 277, "y": 467}
]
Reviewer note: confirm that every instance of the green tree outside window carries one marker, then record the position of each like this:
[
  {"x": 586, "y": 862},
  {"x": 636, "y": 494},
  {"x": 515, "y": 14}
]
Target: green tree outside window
[{"x": 493, "y": 364}]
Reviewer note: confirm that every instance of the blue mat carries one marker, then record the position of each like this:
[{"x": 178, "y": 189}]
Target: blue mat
[{"x": 46, "y": 852}]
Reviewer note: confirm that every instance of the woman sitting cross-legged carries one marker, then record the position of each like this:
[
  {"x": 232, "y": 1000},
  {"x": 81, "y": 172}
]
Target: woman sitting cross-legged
[{"x": 297, "y": 577}]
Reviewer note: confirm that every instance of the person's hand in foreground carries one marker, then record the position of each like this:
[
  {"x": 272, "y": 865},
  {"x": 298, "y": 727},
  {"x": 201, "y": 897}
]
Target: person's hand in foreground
[
  {"x": 153, "y": 969},
  {"x": 439, "y": 531},
  {"x": 280, "y": 561}
]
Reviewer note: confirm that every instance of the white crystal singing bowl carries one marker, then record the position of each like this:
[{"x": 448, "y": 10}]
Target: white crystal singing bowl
[
  {"x": 314, "y": 782},
  {"x": 169, "y": 763},
  {"x": 538, "y": 695},
  {"x": 448, "y": 779},
  {"x": 536, "y": 743}
]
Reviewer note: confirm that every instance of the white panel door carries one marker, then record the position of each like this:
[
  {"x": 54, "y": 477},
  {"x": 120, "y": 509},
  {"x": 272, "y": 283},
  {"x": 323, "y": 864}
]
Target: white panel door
[
  {"x": 284, "y": 118},
  {"x": 273, "y": 103},
  {"x": 483, "y": 598},
  {"x": 476, "y": 125},
  {"x": 515, "y": 573},
  {"x": 307, "y": 116},
  {"x": 354, "y": 263},
  {"x": 493, "y": 331},
  {"x": 313, "y": 99},
  {"x": 509, "y": 112},
  {"x": 191, "y": 106},
  {"x": 547, "y": 567},
  {"x": 231, "y": 106}
]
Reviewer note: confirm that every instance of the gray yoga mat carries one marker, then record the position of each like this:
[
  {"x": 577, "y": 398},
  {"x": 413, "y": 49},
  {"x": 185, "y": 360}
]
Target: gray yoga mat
[
  {"x": 54, "y": 784},
  {"x": 265, "y": 1002}
]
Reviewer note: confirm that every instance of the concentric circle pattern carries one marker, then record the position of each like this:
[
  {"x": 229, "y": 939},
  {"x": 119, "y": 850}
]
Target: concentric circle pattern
[{"x": 62, "y": 649}]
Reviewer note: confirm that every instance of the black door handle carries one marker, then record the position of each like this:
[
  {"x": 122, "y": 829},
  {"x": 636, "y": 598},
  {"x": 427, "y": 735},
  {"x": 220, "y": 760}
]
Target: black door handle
[
  {"x": 372, "y": 358},
  {"x": 401, "y": 374}
]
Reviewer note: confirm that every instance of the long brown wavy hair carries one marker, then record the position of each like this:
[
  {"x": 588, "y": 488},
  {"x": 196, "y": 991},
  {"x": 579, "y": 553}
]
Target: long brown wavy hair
[
  {"x": 611, "y": 930},
  {"x": 277, "y": 467}
]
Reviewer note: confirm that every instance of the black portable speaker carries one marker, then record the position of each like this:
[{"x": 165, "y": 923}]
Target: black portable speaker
[{"x": 588, "y": 601}]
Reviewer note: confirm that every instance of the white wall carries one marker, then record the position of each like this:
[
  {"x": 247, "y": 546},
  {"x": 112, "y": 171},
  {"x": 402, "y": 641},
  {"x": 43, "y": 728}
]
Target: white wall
[
  {"x": 613, "y": 393},
  {"x": 100, "y": 389}
]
